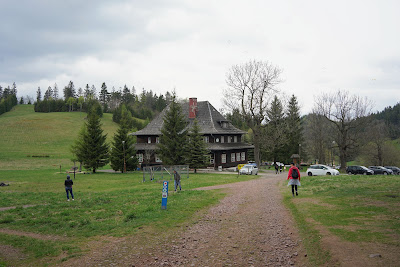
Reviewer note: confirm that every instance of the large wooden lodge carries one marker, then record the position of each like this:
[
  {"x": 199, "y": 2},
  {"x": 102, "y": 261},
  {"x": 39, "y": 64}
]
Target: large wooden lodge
[{"x": 224, "y": 141}]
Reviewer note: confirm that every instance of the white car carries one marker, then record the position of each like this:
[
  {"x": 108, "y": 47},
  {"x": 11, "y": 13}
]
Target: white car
[
  {"x": 249, "y": 169},
  {"x": 320, "y": 169}
]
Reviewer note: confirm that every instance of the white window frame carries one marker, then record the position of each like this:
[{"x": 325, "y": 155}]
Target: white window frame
[
  {"x": 229, "y": 139},
  {"x": 223, "y": 158},
  {"x": 157, "y": 140},
  {"x": 243, "y": 156},
  {"x": 140, "y": 157},
  {"x": 206, "y": 139},
  {"x": 237, "y": 156},
  {"x": 158, "y": 159},
  {"x": 233, "y": 157},
  {"x": 235, "y": 139},
  {"x": 149, "y": 140},
  {"x": 222, "y": 139}
]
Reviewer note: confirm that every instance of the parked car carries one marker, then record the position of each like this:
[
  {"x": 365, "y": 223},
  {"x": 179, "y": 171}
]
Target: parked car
[
  {"x": 319, "y": 169},
  {"x": 381, "y": 170},
  {"x": 359, "y": 170},
  {"x": 396, "y": 170},
  {"x": 249, "y": 169}
]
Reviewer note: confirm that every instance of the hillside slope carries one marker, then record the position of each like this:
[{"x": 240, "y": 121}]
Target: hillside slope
[{"x": 31, "y": 140}]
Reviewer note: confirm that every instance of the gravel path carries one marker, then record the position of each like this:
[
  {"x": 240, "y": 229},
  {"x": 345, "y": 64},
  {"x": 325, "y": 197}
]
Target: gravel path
[{"x": 249, "y": 227}]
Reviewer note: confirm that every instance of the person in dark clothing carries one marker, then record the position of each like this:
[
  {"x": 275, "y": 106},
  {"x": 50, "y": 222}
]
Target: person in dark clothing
[
  {"x": 177, "y": 180},
  {"x": 276, "y": 168},
  {"x": 68, "y": 187}
]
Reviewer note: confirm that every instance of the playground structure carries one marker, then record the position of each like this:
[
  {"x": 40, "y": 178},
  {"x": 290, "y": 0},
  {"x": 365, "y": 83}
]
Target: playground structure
[{"x": 162, "y": 173}]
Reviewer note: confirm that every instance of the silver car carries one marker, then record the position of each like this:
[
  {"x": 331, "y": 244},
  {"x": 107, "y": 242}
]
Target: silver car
[
  {"x": 320, "y": 169},
  {"x": 249, "y": 169}
]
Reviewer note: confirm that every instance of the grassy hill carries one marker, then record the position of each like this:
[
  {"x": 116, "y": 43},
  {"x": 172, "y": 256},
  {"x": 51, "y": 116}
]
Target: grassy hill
[{"x": 31, "y": 140}]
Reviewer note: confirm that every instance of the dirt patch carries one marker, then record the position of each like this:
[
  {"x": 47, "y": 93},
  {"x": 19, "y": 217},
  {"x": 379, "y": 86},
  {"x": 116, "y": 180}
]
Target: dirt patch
[
  {"x": 11, "y": 254},
  {"x": 315, "y": 202},
  {"x": 32, "y": 235}
]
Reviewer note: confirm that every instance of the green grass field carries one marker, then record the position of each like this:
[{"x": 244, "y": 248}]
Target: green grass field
[
  {"x": 105, "y": 204},
  {"x": 360, "y": 209},
  {"x": 356, "y": 208},
  {"x": 31, "y": 140}
]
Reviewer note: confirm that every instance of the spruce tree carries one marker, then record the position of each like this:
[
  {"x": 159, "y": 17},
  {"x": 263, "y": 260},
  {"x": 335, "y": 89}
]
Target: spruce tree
[
  {"x": 123, "y": 145},
  {"x": 173, "y": 136},
  {"x": 275, "y": 131},
  {"x": 94, "y": 149},
  {"x": 294, "y": 129},
  {"x": 197, "y": 153}
]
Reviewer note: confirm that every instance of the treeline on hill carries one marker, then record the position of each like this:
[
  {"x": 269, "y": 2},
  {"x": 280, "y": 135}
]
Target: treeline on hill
[
  {"x": 8, "y": 98},
  {"x": 391, "y": 117},
  {"x": 143, "y": 106}
]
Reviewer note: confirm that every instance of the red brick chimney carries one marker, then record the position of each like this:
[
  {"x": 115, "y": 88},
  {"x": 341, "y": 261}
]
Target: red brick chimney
[{"x": 192, "y": 107}]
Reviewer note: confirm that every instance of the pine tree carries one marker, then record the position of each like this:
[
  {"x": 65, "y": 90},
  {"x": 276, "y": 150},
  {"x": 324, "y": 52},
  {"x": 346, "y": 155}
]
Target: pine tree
[
  {"x": 123, "y": 145},
  {"x": 173, "y": 135},
  {"x": 197, "y": 153},
  {"x": 275, "y": 137},
  {"x": 93, "y": 148},
  {"x": 294, "y": 130},
  {"x": 38, "y": 95}
]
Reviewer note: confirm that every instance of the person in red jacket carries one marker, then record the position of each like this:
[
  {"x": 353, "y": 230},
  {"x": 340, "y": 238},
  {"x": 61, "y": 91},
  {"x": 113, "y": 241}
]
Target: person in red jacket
[{"x": 294, "y": 178}]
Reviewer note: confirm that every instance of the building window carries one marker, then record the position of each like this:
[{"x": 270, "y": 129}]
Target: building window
[
  {"x": 212, "y": 159},
  {"x": 224, "y": 124},
  {"x": 206, "y": 139},
  {"x": 235, "y": 139},
  {"x": 158, "y": 158},
  {"x": 222, "y": 139},
  {"x": 157, "y": 140},
  {"x": 238, "y": 156},
  {"x": 243, "y": 156},
  {"x": 149, "y": 140},
  {"x": 140, "y": 157},
  {"x": 223, "y": 158},
  {"x": 229, "y": 139},
  {"x": 233, "y": 157}
]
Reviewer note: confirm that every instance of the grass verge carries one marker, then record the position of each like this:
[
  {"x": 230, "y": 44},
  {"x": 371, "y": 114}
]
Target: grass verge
[{"x": 358, "y": 209}]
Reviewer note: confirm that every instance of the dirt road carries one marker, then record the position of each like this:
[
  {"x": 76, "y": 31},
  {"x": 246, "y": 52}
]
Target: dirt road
[{"x": 249, "y": 227}]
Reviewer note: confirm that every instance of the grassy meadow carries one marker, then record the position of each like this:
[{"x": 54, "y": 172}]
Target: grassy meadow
[
  {"x": 363, "y": 210},
  {"x": 43, "y": 228}
]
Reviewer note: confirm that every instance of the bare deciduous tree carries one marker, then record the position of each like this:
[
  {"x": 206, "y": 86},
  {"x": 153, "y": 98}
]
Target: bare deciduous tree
[
  {"x": 251, "y": 88},
  {"x": 348, "y": 114}
]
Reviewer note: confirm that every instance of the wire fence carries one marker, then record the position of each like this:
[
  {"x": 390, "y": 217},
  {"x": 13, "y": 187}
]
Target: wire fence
[{"x": 162, "y": 173}]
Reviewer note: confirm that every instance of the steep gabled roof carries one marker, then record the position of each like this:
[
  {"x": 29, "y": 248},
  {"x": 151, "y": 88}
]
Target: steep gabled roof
[{"x": 208, "y": 118}]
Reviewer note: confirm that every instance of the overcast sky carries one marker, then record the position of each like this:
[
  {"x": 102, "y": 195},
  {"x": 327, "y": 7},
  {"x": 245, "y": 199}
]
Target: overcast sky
[{"x": 189, "y": 46}]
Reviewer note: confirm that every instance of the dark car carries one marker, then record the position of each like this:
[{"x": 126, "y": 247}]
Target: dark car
[
  {"x": 396, "y": 170},
  {"x": 381, "y": 170},
  {"x": 359, "y": 170}
]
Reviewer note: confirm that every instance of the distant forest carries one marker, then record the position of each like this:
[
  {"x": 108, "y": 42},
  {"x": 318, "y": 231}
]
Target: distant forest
[
  {"x": 142, "y": 106},
  {"x": 8, "y": 98},
  {"x": 391, "y": 117}
]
